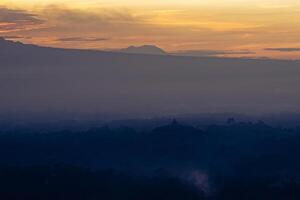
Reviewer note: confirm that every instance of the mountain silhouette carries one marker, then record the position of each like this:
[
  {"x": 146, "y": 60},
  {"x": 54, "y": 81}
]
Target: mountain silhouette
[
  {"x": 145, "y": 49},
  {"x": 7, "y": 45}
]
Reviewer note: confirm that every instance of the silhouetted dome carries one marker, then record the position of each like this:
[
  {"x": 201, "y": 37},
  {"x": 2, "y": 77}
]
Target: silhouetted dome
[
  {"x": 175, "y": 127},
  {"x": 174, "y": 122}
]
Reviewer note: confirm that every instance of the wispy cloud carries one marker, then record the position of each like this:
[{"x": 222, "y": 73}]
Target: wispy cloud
[
  {"x": 201, "y": 53},
  {"x": 81, "y": 39},
  {"x": 15, "y": 37},
  {"x": 283, "y": 49},
  {"x": 16, "y": 20},
  {"x": 76, "y": 28},
  {"x": 94, "y": 19}
]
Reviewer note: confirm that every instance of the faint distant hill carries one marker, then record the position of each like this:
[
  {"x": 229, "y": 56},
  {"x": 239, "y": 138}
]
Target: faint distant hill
[
  {"x": 145, "y": 49},
  {"x": 7, "y": 45}
]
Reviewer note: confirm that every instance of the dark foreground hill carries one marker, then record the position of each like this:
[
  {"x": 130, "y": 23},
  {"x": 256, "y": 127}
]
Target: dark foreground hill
[{"x": 234, "y": 161}]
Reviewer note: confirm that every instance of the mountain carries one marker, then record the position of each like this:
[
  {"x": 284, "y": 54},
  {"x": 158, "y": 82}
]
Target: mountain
[
  {"x": 145, "y": 49},
  {"x": 7, "y": 45},
  {"x": 90, "y": 83}
]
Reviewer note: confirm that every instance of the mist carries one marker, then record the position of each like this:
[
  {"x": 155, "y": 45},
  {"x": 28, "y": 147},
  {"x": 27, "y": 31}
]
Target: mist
[{"x": 82, "y": 82}]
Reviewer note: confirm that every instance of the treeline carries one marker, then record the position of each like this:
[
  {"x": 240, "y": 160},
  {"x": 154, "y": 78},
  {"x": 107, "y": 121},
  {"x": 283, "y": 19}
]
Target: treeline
[
  {"x": 232, "y": 161},
  {"x": 169, "y": 146}
]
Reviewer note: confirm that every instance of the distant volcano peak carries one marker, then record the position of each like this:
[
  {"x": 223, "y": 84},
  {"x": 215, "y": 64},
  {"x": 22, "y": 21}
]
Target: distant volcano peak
[{"x": 145, "y": 49}]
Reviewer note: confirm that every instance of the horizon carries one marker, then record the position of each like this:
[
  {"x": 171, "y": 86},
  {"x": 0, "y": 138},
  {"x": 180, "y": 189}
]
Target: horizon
[
  {"x": 154, "y": 50},
  {"x": 230, "y": 28}
]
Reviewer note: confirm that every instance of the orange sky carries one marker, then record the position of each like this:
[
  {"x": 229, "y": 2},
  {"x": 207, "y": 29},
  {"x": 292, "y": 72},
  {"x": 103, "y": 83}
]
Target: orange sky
[{"x": 265, "y": 28}]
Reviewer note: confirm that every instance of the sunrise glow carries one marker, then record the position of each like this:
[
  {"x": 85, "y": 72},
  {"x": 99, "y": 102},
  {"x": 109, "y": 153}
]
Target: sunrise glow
[{"x": 262, "y": 28}]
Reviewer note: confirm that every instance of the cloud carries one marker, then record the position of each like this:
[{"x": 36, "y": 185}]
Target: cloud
[
  {"x": 79, "y": 28},
  {"x": 16, "y": 20},
  {"x": 76, "y": 19},
  {"x": 15, "y": 37},
  {"x": 214, "y": 52},
  {"x": 283, "y": 49},
  {"x": 81, "y": 39},
  {"x": 64, "y": 24}
]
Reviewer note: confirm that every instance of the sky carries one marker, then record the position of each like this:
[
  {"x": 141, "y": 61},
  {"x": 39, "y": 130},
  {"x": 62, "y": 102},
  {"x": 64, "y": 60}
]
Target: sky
[{"x": 239, "y": 28}]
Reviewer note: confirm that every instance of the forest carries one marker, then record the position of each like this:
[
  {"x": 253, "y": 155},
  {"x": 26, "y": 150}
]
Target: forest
[{"x": 234, "y": 160}]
